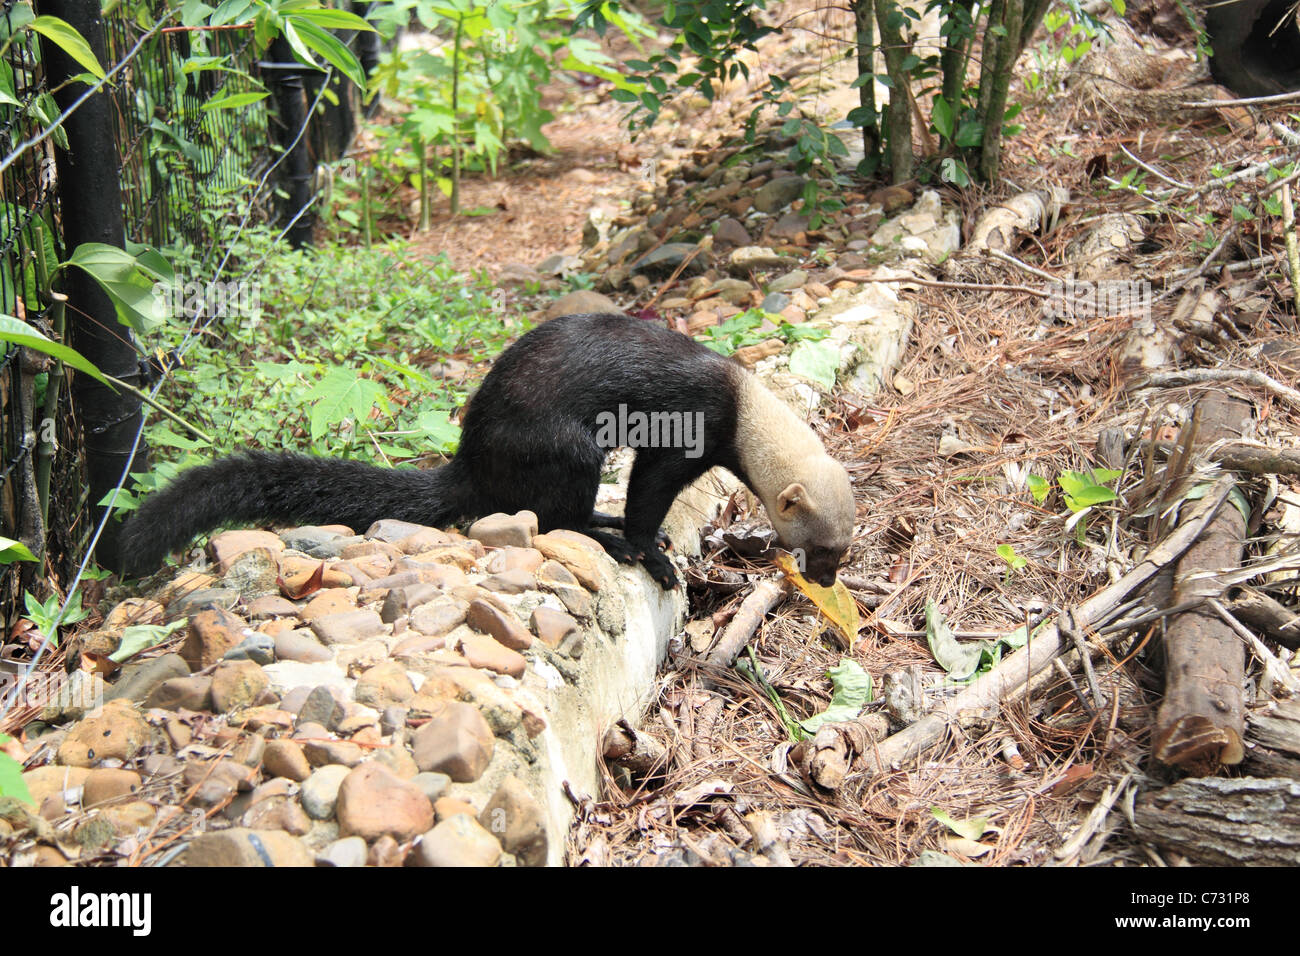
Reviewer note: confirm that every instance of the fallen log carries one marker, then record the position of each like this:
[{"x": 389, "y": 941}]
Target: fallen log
[
  {"x": 1212, "y": 820},
  {"x": 1201, "y": 719},
  {"x": 987, "y": 692},
  {"x": 752, "y": 610},
  {"x": 1273, "y": 741}
]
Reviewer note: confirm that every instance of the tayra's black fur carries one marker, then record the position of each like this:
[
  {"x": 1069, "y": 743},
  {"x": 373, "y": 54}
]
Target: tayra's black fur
[{"x": 528, "y": 442}]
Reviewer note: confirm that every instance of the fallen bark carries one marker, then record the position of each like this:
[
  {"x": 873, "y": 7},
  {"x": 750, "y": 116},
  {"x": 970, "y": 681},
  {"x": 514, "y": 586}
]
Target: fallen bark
[
  {"x": 1248, "y": 458},
  {"x": 638, "y": 753},
  {"x": 1202, "y": 719},
  {"x": 986, "y": 693},
  {"x": 1274, "y": 619},
  {"x": 1245, "y": 822}
]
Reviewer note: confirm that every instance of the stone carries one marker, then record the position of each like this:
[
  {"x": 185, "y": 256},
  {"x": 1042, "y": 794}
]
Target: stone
[
  {"x": 240, "y": 846},
  {"x": 46, "y": 781},
  {"x": 308, "y": 537},
  {"x": 130, "y": 819},
  {"x": 434, "y": 785},
  {"x": 397, "y": 759},
  {"x": 754, "y": 258},
  {"x": 788, "y": 282},
  {"x": 890, "y": 199},
  {"x": 277, "y": 813},
  {"x": 349, "y": 851},
  {"x": 417, "y": 645},
  {"x": 779, "y": 193},
  {"x": 139, "y": 678},
  {"x": 210, "y": 634},
  {"x": 665, "y": 260},
  {"x": 237, "y": 684},
  {"x": 118, "y": 733},
  {"x": 348, "y": 627},
  {"x": 392, "y": 530},
  {"x": 181, "y": 693},
  {"x": 790, "y": 226},
  {"x": 392, "y": 720},
  {"x": 257, "y": 648},
  {"x": 516, "y": 819},
  {"x": 284, "y": 758},
  {"x": 384, "y": 685},
  {"x": 580, "y": 302},
  {"x": 323, "y": 752},
  {"x": 502, "y": 626},
  {"x": 456, "y": 741},
  {"x": 386, "y": 852},
  {"x": 373, "y": 802},
  {"x": 445, "y": 807},
  {"x": 510, "y": 558},
  {"x": 328, "y": 601},
  {"x": 227, "y": 546},
  {"x": 730, "y": 234},
  {"x": 579, "y": 561},
  {"x": 553, "y": 627},
  {"x": 457, "y": 841},
  {"x": 254, "y": 573},
  {"x": 190, "y": 604},
  {"x": 270, "y": 606},
  {"x": 776, "y": 302},
  {"x": 438, "y": 617},
  {"x": 108, "y": 783},
  {"x": 484, "y": 651},
  {"x": 509, "y": 582},
  {"x": 321, "y": 707},
  {"x": 300, "y": 645},
  {"x": 320, "y": 792},
  {"x": 557, "y": 579}
]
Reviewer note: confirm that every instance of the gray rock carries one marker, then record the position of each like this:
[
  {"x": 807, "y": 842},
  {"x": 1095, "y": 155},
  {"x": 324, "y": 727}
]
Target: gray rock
[
  {"x": 320, "y": 791},
  {"x": 307, "y": 537},
  {"x": 188, "y": 604},
  {"x": 663, "y": 261},
  {"x": 433, "y": 784},
  {"x": 579, "y": 302},
  {"x": 779, "y": 193},
  {"x": 776, "y": 302},
  {"x": 789, "y": 282},
  {"x": 350, "y": 851},
  {"x": 347, "y": 627},
  {"x": 321, "y": 707},
  {"x": 300, "y": 645},
  {"x": 392, "y": 720},
  {"x": 253, "y": 574},
  {"x": 138, "y": 679},
  {"x": 259, "y": 648},
  {"x": 747, "y": 258}
]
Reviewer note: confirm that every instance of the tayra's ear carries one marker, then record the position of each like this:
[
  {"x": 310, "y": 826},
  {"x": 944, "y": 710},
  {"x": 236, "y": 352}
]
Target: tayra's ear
[{"x": 789, "y": 501}]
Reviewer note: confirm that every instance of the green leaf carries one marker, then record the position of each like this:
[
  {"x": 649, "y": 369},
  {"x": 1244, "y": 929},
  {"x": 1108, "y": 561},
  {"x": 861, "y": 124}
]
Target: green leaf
[
  {"x": 331, "y": 48},
  {"x": 232, "y": 102},
  {"x": 333, "y": 19},
  {"x": 141, "y": 637},
  {"x": 1039, "y": 487},
  {"x": 960, "y": 660},
  {"x": 1008, "y": 554},
  {"x": 971, "y": 829},
  {"x": 11, "y": 551},
  {"x": 942, "y": 117},
  {"x": 816, "y": 361},
  {"x": 127, "y": 284},
  {"x": 61, "y": 34},
  {"x": 11, "y": 777},
  {"x": 851, "y": 692},
  {"x": 20, "y": 333},
  {"x": 339, "y": 395}
]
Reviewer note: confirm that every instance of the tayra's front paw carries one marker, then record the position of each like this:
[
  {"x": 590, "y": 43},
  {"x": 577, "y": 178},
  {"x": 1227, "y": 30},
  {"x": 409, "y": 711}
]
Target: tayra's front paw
[
  {"x": 661, "y": 569},
  {"x": 621, "y": 551}
]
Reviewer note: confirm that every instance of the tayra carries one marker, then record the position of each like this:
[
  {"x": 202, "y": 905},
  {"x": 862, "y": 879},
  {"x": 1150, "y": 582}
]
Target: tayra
[{"x": 534, "y": 437}]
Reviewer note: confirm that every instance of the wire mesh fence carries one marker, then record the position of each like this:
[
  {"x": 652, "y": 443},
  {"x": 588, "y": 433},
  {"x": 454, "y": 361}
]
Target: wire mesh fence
[{"x": 195, "y": 148}]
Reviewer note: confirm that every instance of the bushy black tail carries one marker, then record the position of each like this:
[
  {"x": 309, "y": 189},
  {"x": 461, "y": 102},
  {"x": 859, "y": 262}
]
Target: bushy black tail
[{"x": 285, "y": 488}]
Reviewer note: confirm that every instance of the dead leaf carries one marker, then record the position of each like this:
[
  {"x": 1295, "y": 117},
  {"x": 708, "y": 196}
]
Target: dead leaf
[
  {"x": 835, "y": 603},
  {"x": 301, "y": 585}
]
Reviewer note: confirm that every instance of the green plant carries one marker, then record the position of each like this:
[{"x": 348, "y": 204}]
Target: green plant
[
  {"x": 11, "y": 776},
  {"x": 1014, "y": 561},
  {"x": 50, "y": 615}
]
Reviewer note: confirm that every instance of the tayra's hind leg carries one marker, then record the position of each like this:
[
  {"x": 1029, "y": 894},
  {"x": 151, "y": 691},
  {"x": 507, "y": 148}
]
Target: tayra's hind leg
[{"x": 657, "y": 477}]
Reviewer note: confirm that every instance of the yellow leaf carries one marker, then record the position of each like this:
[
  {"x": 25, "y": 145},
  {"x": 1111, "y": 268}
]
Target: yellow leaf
[{"x": 835, "y": 603}]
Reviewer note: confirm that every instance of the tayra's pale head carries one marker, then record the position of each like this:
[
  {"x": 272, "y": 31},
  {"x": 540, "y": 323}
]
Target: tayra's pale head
[{"x": 814, "y": 516}]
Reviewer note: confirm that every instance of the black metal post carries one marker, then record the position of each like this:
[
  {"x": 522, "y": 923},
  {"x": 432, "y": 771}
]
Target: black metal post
[
  {"x": 90, "y": 207},
  {"x": 286, "y": 75}
]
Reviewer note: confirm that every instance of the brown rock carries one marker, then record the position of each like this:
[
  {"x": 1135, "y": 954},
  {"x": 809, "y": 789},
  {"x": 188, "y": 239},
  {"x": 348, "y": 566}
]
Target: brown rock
[
  {"x": 437, "y": 617},
  {"x": 502, "y": 625},
  {"x": 445, "y": 807},
  {"x": 119, "y": 733},
  {"x": 557, "y": 579},
  {"x": 424, "y": 540},
  {"x": 457, "y": 841},
  {"x": 515, "y": 559},
  {"x": 270, "y": 606},
  {"x": 210, "y": 634},
  {"x": 484, "y": 651},
  {"x": 577, "y": 558},
  {"x": 456, "y": 741},
  {"x": 328, "y": 601},
  {"x": 373, "y": 802},
  {"x": 277, "y": 813},
  {"x": 237, "y": 684},
  {"x": 243, "y": 847},
  {"x": 348, "y": 627},
  {"x": 46, "y": 781},
  {"x": 300, "y": 645},
  {"x": 320, "y": 753},
  {"x": 284, "y": 758},
  {"x": 133, "y": 611},
  {"x": 500, "y": 530},
  {"x": 553, "y": 627},
  {"x": 515, "y": 818},
  {"x": 383, "y": 685},
  {"x": 188, "y": 693},
  {"x": 229, "y": 545},
  {"x": 386, "y": 852},
  {"x": 457, "y": 556},
  {"x": 130, "y": 819}
]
